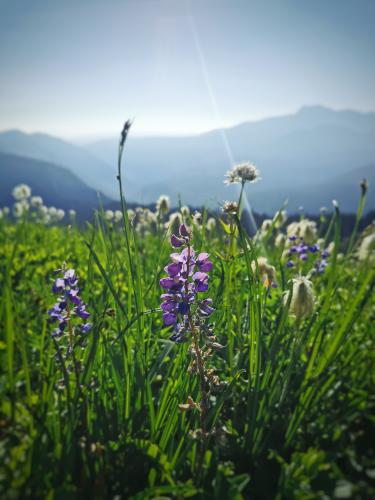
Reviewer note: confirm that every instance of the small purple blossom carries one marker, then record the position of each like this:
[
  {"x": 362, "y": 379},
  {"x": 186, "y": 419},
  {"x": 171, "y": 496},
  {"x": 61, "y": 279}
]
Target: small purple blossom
[
  {"x": 301, "y": 251},
  {"x": 187, "y": 276},
  {"x": 69, "y": 304}
]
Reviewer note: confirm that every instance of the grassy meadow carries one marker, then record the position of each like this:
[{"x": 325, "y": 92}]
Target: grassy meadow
[{"x": 275, "y": 401}]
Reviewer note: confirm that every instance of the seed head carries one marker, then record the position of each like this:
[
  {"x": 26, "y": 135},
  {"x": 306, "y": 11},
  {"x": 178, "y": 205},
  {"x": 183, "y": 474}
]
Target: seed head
[
  {"x": 241, "y": 173},
  {"x": 303, "y": 300}
]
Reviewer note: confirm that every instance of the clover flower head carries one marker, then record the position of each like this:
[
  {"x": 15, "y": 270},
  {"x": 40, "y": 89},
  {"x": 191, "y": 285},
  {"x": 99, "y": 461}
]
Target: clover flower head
[
  {"x": 366, "y": 250},
  {"x": 230, "y": 207},
  {"x": 60, "y": 214},
  {"x": 117, "y": 215},
  {"x": 241, "y": 173},
  {"x": 303, "y": 299},
  {"x": 109, "y": 215},
  {"x": 211, "y": 224},
  {"x": 185, "y": 211},
  {"x": 163, "y": 205},
  {"x": 21, "y": 192},
  {"x": 20, "y": 208},
  {"x": 267, "y": 272},
  {"x": 72, "y": 213},
  {"x": 36, "y": 201}
]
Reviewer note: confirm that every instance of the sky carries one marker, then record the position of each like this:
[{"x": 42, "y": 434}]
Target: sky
[{"x": 79, "y": 68}]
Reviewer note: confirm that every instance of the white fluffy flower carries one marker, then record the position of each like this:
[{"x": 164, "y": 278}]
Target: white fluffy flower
[
  {"x": 72, "y": 213},
  {"x": 303, "y": 299},
  {"x": 305, "y": 229},
  {"x": 109, "y": 215},
  {"x": 60, "y": 214},
  {"x": 163, "y": 205},
  {"x": 367, "y": 248},
  {"x": 241, "y": 173},
  {"x": 36, "y": 201},
  {"x": 211, "y": 224},
  {"x": 21, "y": 192},
  {"x": 117, "y": 215},
  {"x": 20, "y": 208},
  {"x": 52, "y": 211}
]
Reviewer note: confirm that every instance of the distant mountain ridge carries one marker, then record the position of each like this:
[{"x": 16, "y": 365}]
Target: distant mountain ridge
[
  {"x": 312, "y": 147},
  {"x": 91, "y": 170},
  {"x": 56, "y": 185},
  {"x": 309, "y": 158}
]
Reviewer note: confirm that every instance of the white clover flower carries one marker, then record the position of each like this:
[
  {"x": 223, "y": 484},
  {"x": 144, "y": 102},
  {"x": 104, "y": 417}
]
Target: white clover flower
[
  {"x": 211, "y": 224},
  {"x": 21, "y": 192},
  {"x": 185, "y": 211},
  {"x": 241, "y": 173},
  {"x": 6, "y": 210},
  {"x": 230, "y": 207},
  {"x": 36, "y": 201},
  {"x": 280, "y": 218},
  {"x": 197, "y": 218},
  {"x": 43, "y": 210},
  {"x": 72, "y": 213},
  {"x": 266, "y": 226},
  {"x": 109, "y": 215},
  {"x": 20, "y": 208},
  {"x": 367, "y": 248},
  {"x": 174, "y": 223},
  {"x": 303, "y": 299},
  {"x": 131, "y": 214},
  {"x": 280, "y": 240},
  {"x": 305, "y": 229},
  {"x": 266, "y": 271},
  {"x": 163, "y": 205},
  {"x": 60, "y": 214},
  {"x": 52, "y": 211},
  {"x": 117, "y": 215}
]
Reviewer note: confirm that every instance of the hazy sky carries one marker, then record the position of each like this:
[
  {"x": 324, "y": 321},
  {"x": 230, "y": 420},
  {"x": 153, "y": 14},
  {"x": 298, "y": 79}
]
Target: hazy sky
[{"x": 78, "y": 68}]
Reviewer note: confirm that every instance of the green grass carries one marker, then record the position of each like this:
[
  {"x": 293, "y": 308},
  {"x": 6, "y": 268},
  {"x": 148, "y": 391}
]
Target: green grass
[{"x": 294, "y": 415}]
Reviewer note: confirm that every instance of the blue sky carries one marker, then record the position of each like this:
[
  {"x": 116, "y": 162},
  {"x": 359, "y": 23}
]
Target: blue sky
[{"x": 79, "y": 68}]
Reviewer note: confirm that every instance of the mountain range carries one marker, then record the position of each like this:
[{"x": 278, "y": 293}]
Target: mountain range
[{"x": 309, "y": 157}]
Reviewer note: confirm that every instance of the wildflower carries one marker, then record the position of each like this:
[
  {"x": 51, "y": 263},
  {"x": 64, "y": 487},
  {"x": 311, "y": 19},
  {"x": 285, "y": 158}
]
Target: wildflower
[
  {"x": 109, "y": 215},
  {"x": 303, "y": 300},
  {"x": 175, "y": 221},
  {"x": 230, "y": 207},
  {"x": 117, "y": 216},
  {"x": 367, "y": 248},
  {"x": 186, "y": 277},
  {"x": 266, "y": 226},
  {"x": 242, "y": 173},
  {"x": 364, "y": 186},
  {"x": 52, "y": 211},
  {"x": 211, "y": 224},
  {"x": 6, "y": 210},
  {"x": 163, "y": 205},
  {"x": 72, "y": 213},
  {"x": 185, "y": 211},
  {"x": 60, "y": 214},
  {"x": 69, "y": 305},
  {"x": 20, "y": 208},
  {"x": 36, "y": 201},
  {"x": 267, "y": 272},
  {"x": 280, "y": 218},
  {"x": 305, "y": 229},
  {"x": 21, "y": 192},
  {"x": 280, "y": 240},
  {"x": 197, "y": 218}
]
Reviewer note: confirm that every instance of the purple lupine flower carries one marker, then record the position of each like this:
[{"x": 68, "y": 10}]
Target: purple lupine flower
[
  {"x": 68, "y": 305},
  {"x": 301, "y": 251},
  {"x": 187, "y": 277}
]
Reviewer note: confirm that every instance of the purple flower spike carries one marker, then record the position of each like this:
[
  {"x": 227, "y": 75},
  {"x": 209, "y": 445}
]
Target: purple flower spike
[
  {"x": 182, "y": 285},
  {"x": 176, "y": 242},
  {"x": 69, "y": 305},
  {"x": 183, "y": 231},
  {"x": 58, "y": 286}
]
